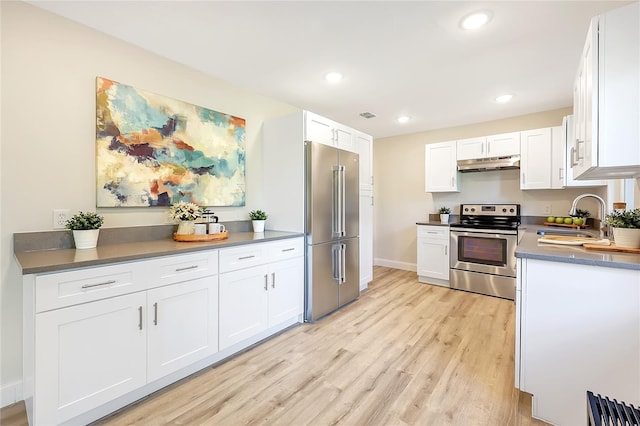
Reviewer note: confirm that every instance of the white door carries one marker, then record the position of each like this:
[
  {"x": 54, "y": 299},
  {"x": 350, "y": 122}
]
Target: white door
[
  {"x": 469, "y": 149},
  {"x": 535, "y": 160},
  {"x": 182, "y": 325},
  {"x": 366, "y": 239},
  {"x": 433, "y": 258},
  {"x": 88, "y": 355},
  {"x": 243, "y": 304},
  {"x": 441, "y": 167},
  {"x": 503, "y": 144},
  {"x": 285, "y": 290},
  {"x": 365, "y": 149},
  {"x": 318, "y": 129}
]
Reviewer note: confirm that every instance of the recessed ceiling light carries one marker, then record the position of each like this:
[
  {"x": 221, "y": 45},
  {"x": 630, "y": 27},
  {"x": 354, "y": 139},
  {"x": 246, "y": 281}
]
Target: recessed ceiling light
[
  {"x": 503, "y": 98},
  {"x": 475, "y": 20},
  {"x": 403, "y": 119},
  {"x": 333, "y": 77}
]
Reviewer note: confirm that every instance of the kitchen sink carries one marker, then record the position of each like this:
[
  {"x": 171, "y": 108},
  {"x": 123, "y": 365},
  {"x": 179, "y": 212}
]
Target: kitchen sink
[{"x": 565, "y": 232}]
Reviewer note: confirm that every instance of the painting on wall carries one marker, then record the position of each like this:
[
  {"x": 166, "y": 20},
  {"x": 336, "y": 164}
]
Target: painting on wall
[{"x": 155, "y": 151}]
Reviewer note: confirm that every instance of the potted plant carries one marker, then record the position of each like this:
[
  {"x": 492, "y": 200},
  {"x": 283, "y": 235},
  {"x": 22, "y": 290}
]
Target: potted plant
[
  {"x": 258, "y": 218},
  {"x": 185, "y": 214},
  {"x": 626, "y": 227},
  {"x": 444, "y": 214},
  {"x": 86, "y": 228}
]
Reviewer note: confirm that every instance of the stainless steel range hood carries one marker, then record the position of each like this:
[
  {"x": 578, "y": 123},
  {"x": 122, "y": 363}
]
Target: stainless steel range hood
[{"x": 487, "y": 164}]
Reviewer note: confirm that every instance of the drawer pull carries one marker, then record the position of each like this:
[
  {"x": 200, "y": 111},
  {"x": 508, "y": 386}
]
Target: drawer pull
[
  {"x": 432, "y": 232},
  {"x": 140, "y": 317},
  {"x": 273, "y": 280},
  {"x": 99, "y": 284},
  {"x": 186, "y": 268},
  {"x": 266, "y": 282},
  {"x": 246, "y": 257},
  {"x": 289, "y": 249},
  {"x": 155, "y": 313}
]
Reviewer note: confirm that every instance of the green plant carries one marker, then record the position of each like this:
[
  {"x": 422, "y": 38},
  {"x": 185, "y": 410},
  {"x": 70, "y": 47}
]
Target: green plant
[
  {"x": 257, "y": 215},
  {"x": 444, "y": 210},
  {"x": 623, "y": 219},
  {"x": 582, "y": 213},
  {"x": 84, "y": 221},
  {"x": 185, "y": 211}
]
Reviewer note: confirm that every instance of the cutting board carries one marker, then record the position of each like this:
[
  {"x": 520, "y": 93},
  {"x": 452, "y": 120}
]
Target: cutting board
[
  {"x": 612, "y": 247},
  {"x": 572, "y": 241}
]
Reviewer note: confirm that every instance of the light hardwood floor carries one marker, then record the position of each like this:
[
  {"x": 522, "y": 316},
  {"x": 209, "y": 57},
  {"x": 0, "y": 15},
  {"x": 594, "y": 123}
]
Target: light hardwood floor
[{"x": 405, "y": 353}]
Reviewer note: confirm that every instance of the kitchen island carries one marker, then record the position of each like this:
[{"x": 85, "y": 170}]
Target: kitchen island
[{"x": 577, "y": 327}]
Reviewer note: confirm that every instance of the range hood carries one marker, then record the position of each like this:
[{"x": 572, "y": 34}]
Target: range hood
[{"x": 486, "y": 164}]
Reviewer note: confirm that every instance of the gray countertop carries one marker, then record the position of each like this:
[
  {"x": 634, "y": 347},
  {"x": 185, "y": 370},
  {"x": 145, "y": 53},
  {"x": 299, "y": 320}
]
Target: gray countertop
[
  {"x": 42, "y": 261},
  {"x": 529, "y": 248},
  {"x": 432, "y": 223}
]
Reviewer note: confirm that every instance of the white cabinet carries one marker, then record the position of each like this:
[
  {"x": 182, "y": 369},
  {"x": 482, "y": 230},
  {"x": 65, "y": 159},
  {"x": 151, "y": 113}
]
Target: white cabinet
[
  {"x": 440, "y": 167},
  {"x": 558, "y": 157},
  {"x": 606, "y": 111},
  {"x": 365, "y": 149},
  {"x": 535, "y": 160},
  {"x": 261, "y": 293},
  {"x": 569, "y": 153},
  {"x": 366, "y": 239},
  {"x": 500, "y": 145},
  {"x": 433, "y": 254},
  {"x": 328, "y": 132},
  {"x": 579, "y": 328}
]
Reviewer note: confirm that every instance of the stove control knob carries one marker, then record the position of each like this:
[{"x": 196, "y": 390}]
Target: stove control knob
[
  {"x": 504, "y": 210},
  {"x": 466, "y": 209},
  {"x": 473, "y": 209},
  {"x": 511, "y": 210}
]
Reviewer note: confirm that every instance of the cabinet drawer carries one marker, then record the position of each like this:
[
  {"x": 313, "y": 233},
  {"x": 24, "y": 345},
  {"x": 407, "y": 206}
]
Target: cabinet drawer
[
  {"x": 173, "y": 269},
  {"x": 433, "y": 232},
  {"x": 243, "y": 257},
  {"x": 285, "y": 249},
  {"x": 62, "y": 289}
]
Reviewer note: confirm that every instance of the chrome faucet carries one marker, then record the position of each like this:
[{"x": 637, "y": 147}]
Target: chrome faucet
[{"x": 603, "y": 211}]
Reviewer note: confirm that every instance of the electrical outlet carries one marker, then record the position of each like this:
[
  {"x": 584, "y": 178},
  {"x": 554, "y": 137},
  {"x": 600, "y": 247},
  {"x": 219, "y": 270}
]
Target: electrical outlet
[
  {"x": 60, "y": 217},
  {"x": 546, "y": 209}
]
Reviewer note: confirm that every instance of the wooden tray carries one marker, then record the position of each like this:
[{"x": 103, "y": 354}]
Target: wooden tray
[
  {"x": 565, "y": 225},
  {"x": 612, "y": 247},
  {"x": 201, "y": 237},
  {"x": 572, "y": 241}
]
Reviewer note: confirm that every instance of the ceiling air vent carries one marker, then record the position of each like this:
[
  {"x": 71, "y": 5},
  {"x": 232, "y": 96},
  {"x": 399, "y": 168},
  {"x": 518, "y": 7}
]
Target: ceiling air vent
[{"x": 367, "y": 114}]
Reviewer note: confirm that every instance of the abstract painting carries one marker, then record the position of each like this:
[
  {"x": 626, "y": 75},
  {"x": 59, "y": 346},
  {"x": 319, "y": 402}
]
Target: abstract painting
[{"x": 152, "y": 150}]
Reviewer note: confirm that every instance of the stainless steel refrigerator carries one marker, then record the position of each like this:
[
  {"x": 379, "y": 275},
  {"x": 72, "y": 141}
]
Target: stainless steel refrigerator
[{"x": 331, "y": 229}]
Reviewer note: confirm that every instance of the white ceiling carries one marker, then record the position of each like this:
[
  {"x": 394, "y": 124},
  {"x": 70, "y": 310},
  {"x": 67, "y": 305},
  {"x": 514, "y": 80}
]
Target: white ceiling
[{"x": 398, "y": 58}]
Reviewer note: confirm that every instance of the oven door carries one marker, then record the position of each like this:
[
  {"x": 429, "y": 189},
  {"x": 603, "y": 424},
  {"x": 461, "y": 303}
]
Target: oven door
[{"x": 484, "y": 250}]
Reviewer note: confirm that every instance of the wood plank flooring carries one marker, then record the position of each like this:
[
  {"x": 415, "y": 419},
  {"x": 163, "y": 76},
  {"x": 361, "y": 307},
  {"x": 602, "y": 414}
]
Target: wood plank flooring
[{"x": 405, "y": 353}]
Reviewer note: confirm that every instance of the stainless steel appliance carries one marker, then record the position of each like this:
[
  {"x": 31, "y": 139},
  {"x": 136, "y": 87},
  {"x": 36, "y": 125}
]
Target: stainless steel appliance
[
  {"x": 483, "y": 248},
  {"x": 331, "y": 229}
]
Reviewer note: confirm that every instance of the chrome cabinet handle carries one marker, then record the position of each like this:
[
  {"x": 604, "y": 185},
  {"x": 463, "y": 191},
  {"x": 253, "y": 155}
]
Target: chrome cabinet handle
[
  {"x": 140, "y": 317},
  {"x": 574, "y": 162},
  {"x": 155, "y": 313},
  {"x": 560, "y": 173},
  {"x": 578, "y": 156},
  {"x": 446, "y": 250},
  {"x": 453, "y": 182},
  {"x": 99, "y": 284},
  {"x": 289, "y": 249},
  {"x": 186, "y": 268},
  {"x": 273, "y": 280},
  {"x": 266, "y": 282},
  {"x": 246, "y": 257}
]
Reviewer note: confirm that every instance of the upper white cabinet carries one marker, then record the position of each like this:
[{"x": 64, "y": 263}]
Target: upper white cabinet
[
  {"x": 501, "y": 145},
  {"x": 607, "y": 98},
  {"x": 364, "y": 143},
  {"x": 568, "y": 156},
  {"x": 535, "y": 161},
  {"x": 328, "y": 132},
  {"x": 440, "y": 164}
]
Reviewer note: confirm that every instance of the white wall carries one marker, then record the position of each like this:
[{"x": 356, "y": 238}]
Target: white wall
[
  {"x": 401, "y": 200},
  {"x": 49, "y": 66}
]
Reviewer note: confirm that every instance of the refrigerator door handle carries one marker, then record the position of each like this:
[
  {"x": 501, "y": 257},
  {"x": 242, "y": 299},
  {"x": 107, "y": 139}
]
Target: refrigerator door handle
[
  {"x": 343, "y": 263},
  {"x": 343, "y": 202},
  {"x": 335, "y": 263},
  {"x": 335, "y": 203}
]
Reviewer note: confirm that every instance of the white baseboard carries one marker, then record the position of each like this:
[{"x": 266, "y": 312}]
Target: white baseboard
[
  {"x": 395, "y": 264},
  {"x": 10, "y": 393}
]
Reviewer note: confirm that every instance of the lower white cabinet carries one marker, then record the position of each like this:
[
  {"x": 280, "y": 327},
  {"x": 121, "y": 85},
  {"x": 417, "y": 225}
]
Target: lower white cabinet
[{"x": 433, "y": 254}]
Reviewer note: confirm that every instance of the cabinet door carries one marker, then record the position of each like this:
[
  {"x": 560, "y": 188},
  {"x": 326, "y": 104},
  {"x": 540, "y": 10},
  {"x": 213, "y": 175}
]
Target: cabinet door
[
  {"x": 558, "y": 161},
  {"x": 285, "y": 290},
  {"x": 318, "y": 129},
  {"x": 586, "y": 99},
  {"x": 469, "y": 149},
  {"x": 87, "y": 355},
  {"x": 366, "y": 239},
  {"x": 182, "y": 325},
  {"x": 441, "y": 167},
  {"x": 243, "y": 304},
  {"x": 503, "y": 144},
  {"x": 365, "y": 149},
  {"x": 568, "y": 128},
  {"x": 433, "y": 258},
  {"x": 535, "y": 161},
  {"x": 345, "y": 138}
]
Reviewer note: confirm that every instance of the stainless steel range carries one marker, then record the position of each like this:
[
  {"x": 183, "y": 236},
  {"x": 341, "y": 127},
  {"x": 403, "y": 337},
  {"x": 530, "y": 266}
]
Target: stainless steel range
[{"x": 483, "y": 246}]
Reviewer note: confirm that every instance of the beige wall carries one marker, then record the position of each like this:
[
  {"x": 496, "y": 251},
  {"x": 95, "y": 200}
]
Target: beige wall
[
  {"x": 399, "y": 186},
  {"x": 49, "y": 66}
]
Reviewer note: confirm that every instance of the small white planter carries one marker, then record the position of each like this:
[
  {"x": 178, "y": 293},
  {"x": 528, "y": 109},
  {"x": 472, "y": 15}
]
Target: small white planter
[
  {"x": 627, "y": 237},
  {"x": 86, "y": 239},
  {"x": 186, "y": 227},
  {"x": 444, "y": 218},
  {"x": 258, "y": 225}
]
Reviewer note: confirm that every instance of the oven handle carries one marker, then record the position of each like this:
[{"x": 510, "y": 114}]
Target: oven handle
[{"x": 494, "y": 232}]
